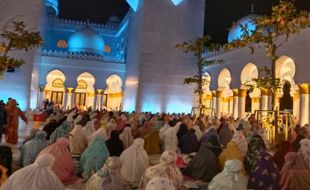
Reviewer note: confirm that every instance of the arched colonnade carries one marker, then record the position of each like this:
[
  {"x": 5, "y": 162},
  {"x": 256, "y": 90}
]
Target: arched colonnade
[{"x": 238, "y": 101}]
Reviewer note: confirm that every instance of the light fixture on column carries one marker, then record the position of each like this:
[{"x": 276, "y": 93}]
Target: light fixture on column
[
  {"x": 176, "y": 2},
  {"x": 134, "y": 4},
  {"x": 70, "y": 90}
]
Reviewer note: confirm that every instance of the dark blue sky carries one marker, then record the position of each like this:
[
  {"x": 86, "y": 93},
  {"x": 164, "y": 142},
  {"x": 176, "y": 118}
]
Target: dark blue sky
[
  {"x": 219, "y": 16},
  {"x": 94, "y": 10}
]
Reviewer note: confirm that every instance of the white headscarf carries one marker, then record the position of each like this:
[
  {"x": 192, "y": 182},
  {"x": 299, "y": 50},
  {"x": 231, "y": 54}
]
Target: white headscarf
[
  {"x": 108, "y": 177},
  {"x": 170, "y": 137},
  {"x": 162, "y": 131},
  {"x": 99, "y": 132},
  {"x": 77, "y": 140},
  {"x": 126, "y": 137},
  {"x": 89, "y": 128},
  {"x": 231, "y": 178},
  {"x": 78, "y": 119},
  {"x": 36, "y": 176},
  {"x": 135, "y": 161},
  {"x": 93, "y": 116},
  {"x": 241, "y": 142},
  {"x": 304, "y": 150},
  {"x": 198, "y": 132},
  {"x": 160, "y": 183},
  {"x": 70, "y": 117},
  {"x": 165, "y": 168}
]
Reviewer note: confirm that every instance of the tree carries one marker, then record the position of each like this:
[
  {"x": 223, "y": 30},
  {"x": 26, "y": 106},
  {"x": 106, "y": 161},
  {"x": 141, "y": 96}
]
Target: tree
[
  {"x": 271, "y": 32},
  {"x": 15, "y": 36},
  {"x": 199, "y": 48}
]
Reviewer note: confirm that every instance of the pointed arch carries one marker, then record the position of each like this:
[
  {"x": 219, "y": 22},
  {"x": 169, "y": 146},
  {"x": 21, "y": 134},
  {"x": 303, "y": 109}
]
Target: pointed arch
[
  {"x": 55, "y": 86},
  {"x": 285, "y": 69},
  {"x": 113, "y": 92},
  {"x": 85, "y": 92},
  {"x": 224, "y": 79},
  {"x": 248, "y": 73}
]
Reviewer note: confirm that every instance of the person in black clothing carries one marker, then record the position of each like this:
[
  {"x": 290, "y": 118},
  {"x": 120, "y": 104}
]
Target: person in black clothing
[
  {"x": 189, "y": 143},
  {"x": 3, "y": 119},
  {"x": 114, "y": 144},
  {"x": 50, "y": 128}
]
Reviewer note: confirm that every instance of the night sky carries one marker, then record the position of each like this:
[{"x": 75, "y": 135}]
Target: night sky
[
  {"x": 98, "y": 11},
  {"x": 219, "y": 16}
]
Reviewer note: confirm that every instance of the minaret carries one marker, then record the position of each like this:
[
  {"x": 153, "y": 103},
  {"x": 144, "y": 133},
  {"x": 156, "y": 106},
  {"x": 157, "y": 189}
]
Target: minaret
[
  {"x": 155, "y": 70},
  {"x": 18, "y": 84}
]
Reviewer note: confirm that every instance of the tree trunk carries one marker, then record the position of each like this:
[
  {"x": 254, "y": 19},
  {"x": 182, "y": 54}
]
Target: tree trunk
[
  {"x": 273, "y": 100},
  {"x": 200, "y": 74}
]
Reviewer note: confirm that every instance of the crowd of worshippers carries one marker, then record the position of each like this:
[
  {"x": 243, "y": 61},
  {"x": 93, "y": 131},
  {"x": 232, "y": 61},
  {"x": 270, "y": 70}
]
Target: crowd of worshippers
[{"x": 110, "y": 151}]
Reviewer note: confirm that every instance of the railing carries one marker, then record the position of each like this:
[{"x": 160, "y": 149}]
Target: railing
[
  {"x": 82, "y": 56},
  {"x": 108, "y": 25},
  {"x": 274, "y": 123}
]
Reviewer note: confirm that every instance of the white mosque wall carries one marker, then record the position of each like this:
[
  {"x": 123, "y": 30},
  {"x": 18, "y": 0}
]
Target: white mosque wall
[
  {"x": 17, "y": 84},
  {"x": 133, "y": 60},
  {"x": 160, "y": 68}
]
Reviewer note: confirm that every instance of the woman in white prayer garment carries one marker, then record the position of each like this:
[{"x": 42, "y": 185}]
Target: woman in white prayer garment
[
  {"x": 160, "y": 183},
  {"x": 108, "y": 177},
  {"x": 37, "y": 176},
  {"x": 231, "y": 178},
  {"x": 135, "y": 161}
]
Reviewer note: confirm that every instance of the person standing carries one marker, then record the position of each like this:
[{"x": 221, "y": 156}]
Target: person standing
[
  {"x": 3, "y": 119},
  {"x": 13, "y": 113}
]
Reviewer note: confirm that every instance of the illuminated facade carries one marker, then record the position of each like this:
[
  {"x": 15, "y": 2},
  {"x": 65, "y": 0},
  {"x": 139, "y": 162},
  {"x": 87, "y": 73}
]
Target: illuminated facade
[
  {"x": 129, "y": 63},
  {"x": 228, "y": 80}
]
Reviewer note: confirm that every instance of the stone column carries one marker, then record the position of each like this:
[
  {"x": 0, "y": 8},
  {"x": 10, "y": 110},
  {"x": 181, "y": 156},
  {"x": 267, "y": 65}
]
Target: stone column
[
  {"x": 214, "y": 102},
  {"x": 225, "y": 105},
  {"x": 235, "y": 104},
  {"x": 40, "y": 97},
  {"x": 99, "y": 98},
  {"x": 241, "y": 102},
  {"x": 68, "y": 103},
  {"x": 90, "y": 100},
  {"x": 296, "y": 104},
  {"x": 265, "y": 94},
  {"x": 304, "y": 103},
  {"x": 208, "y": 100},
  {"x": 218, "y": 103},
  {"x": 278, "y": 97},
  {"x": 255, "y": 104},
  {"x": 231, "y": 105}
]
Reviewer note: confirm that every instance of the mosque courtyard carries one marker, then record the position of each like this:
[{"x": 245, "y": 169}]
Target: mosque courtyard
[{"x": 155, "y": 95}]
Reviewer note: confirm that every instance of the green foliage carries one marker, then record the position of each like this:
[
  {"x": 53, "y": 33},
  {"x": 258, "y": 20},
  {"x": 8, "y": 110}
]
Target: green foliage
[
  {"x": 265, "y": 81},
  {"x": 15, "y": 36},
  {"x": 271, "y": 32}
]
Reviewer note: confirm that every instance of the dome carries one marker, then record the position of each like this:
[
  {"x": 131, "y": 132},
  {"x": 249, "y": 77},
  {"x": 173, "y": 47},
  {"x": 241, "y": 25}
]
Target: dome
[
  {"x": 52, "y": 7},
  {"x": 236, "y": 32},
  {"x": 113, "y": 19},
  {"x": 86, "y": 40}
]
